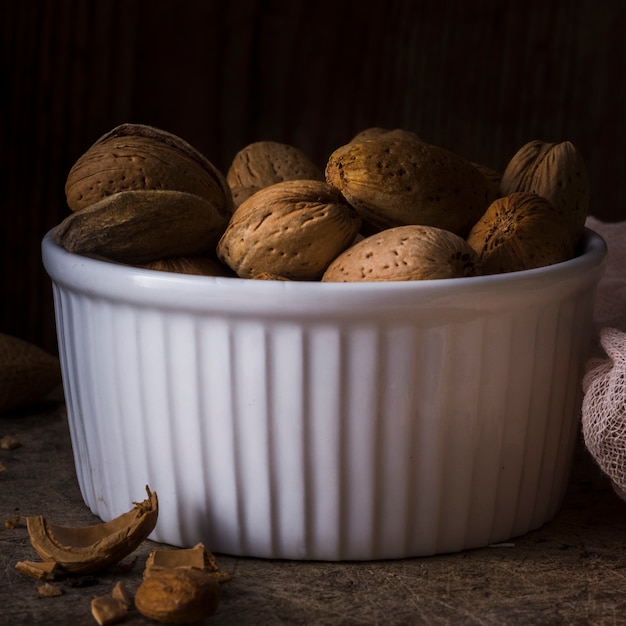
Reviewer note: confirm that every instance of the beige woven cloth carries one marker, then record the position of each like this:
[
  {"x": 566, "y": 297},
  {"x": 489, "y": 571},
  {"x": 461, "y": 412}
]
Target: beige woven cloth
[{"x": 604, "y": 383}]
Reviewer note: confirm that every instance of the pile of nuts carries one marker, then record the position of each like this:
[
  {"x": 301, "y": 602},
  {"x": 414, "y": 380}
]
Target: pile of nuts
[
  {"x": 179, "y": 586},
  {"x": 387, "y": 206}
]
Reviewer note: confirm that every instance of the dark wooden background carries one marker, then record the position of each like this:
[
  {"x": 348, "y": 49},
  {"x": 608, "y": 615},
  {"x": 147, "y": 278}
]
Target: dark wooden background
[{"x": 480, "y": 78}]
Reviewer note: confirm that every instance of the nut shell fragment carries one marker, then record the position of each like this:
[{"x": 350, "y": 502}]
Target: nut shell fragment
[
  {"x": 48, "y": 590},
  {"x": 178, "y": 595},
  {"x": 88, "y": 549},
  {"x": 108, "y": 610},
  {"x": 41, "y": 570},
  {"x": 197, "y": 557}
]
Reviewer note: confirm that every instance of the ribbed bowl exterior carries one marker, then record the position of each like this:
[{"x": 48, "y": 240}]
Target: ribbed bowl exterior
[{"x": 325, "y": 421}]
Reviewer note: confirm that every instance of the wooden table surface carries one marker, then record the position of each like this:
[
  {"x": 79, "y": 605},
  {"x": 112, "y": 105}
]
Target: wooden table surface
[{"x": 571, "y": 571}]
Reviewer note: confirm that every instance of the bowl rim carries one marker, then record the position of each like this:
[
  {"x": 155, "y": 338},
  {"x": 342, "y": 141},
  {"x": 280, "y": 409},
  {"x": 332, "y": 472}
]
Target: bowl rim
[{"x": 110, "y": 279}]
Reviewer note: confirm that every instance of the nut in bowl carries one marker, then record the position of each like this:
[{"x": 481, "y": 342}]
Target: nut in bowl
[{"x": 325, "y": 420}]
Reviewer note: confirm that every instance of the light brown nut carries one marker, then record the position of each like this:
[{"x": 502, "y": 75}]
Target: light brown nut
[
  {"x": 375, "y": 132},
  {"x": 518, "y": 232},
  {"x": 178, "y": 595},
  {"x": 410, "y": 252},
  {"x": 142, "y": 226},
  {"x": 395, "y": 182},
  {"x": 242, "y": 193},
  {"x": 136, "y": 156},
  {"x": 292, "y": 229},
  {"x": 555, "y": 171},
  {"x": 263, "y": 163},
  {"x": 199, "y": 266},
  {"x": 27, "y": 373}
]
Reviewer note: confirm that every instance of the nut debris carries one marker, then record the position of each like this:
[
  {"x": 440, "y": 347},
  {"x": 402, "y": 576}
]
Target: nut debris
[
  {"x": 92, "y": 548},
  {"x": 120, "y": 593},
  {"x": 108, "y": 610},
  {"x": 178, "y": 595},
  {"x": 180, "y": 586},
  {"x": 35, "y": 569},
  {"x": 197, "y": 557},
  {"x": 49, "y": 591},
  {"x": 9, "y": 442},
  {"x": 12, "y": 522}
]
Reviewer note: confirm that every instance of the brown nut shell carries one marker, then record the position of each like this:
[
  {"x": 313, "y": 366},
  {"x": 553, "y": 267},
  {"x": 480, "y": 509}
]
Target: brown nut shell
[
  {"x": 27, "y": 372},
  {"x": 87, "y": 549},
  {"x": 143, "y": 225},
  {"x": 518, "y": 232},
  {"x": 198, "y": 266},
  {"x": 412, "y": 252},
  {"x": 264, "y": 163},
  {"x": 292, "y": 229},
  {"x": 376, "y": 132},
  {"x": 137, "y": 156},
  {"x": 555, "y": 171},
  {"x": 178, "y": 595},
  {"x": 395, "y": 182}
]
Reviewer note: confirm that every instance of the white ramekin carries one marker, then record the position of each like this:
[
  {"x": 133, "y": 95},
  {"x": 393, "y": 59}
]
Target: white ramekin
[{"x": 330, "y": 421}]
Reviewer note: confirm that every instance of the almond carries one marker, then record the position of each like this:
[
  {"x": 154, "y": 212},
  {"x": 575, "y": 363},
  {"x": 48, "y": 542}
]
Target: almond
[
  {"x": 555, "y": 171},
  {"x": 143, "y": 225},
  {"x": 412, "y": 252},
  {"x": 199, "y": 266},
  {"x": 27, "y": 373},
  {"x": 263, "y": 163},
  {"x": 137, "y": 156},
  {"x": 292, "y": 229},
  {"x": 395, "y": 182},
  {"x": 518, "y": 232}
]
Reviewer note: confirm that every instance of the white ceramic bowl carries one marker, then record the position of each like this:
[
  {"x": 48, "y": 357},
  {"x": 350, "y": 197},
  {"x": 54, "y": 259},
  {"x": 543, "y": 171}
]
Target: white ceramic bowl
[{"x": 326, "y": 421}]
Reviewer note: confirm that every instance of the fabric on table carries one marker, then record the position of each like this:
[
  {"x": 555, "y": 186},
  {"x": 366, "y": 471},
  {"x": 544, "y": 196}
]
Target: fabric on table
[{"x": 604, "y": 383}]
